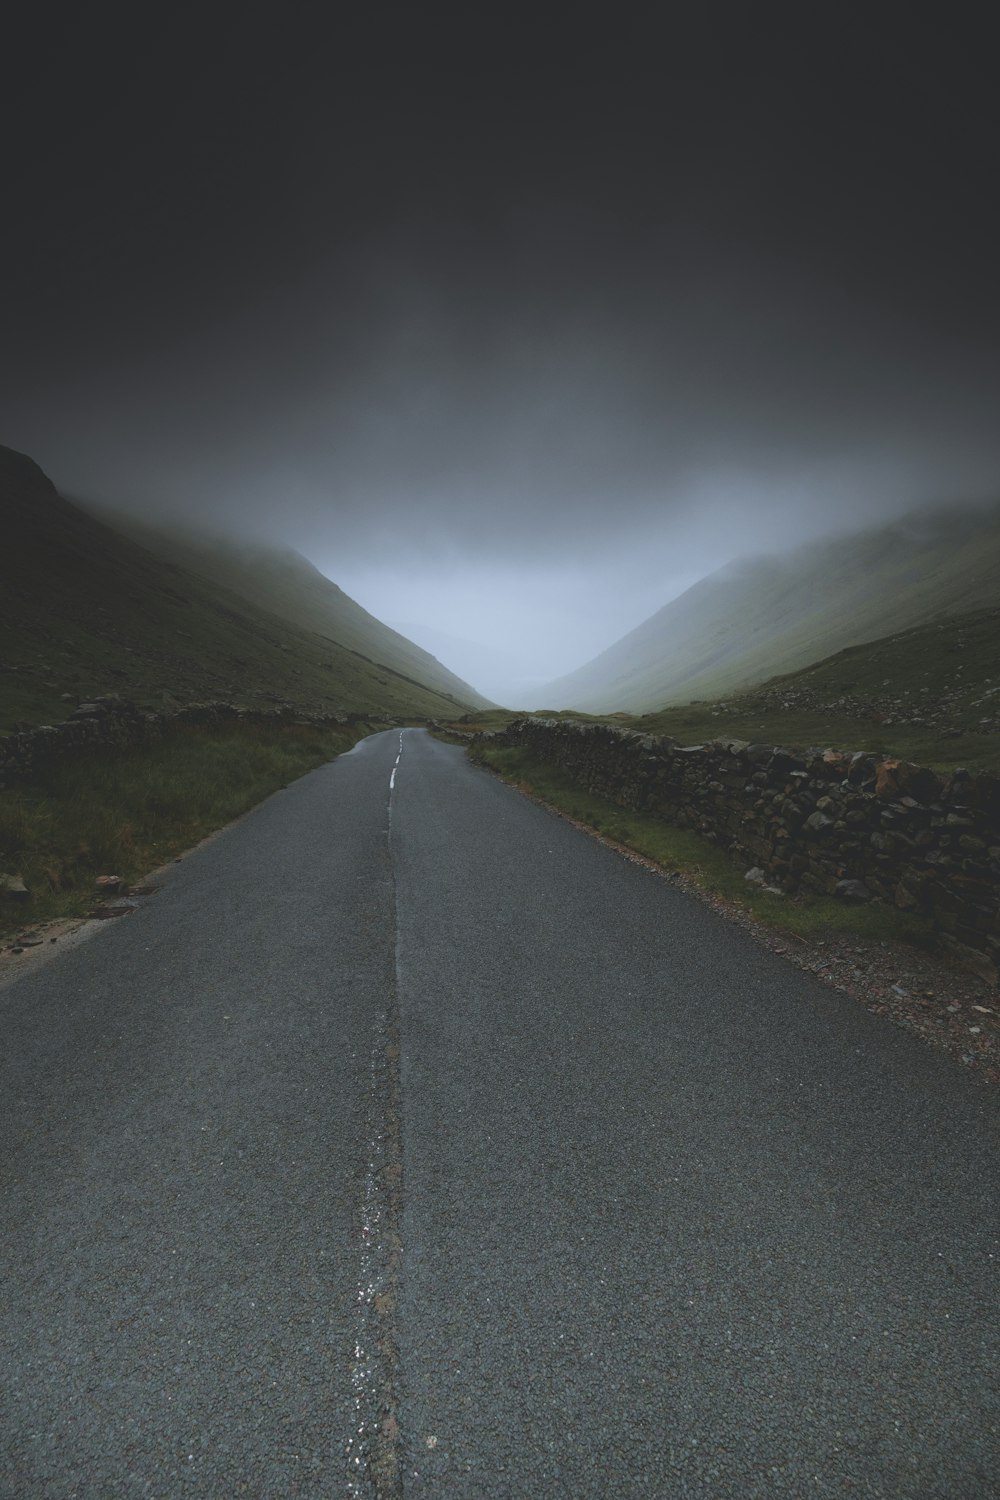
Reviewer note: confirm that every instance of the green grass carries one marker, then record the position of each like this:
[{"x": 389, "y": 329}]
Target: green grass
[
  {"x": 127, "y": 813},
  {"x": 686, "y": 852}
]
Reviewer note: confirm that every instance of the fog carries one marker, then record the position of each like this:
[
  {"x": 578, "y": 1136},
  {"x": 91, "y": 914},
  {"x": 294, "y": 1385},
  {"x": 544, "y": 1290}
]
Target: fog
[{"x": 514, "y": 331}]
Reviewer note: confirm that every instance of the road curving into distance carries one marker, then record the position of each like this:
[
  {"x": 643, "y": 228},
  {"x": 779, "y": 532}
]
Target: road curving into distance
[{"x": 411, "y": 1142}]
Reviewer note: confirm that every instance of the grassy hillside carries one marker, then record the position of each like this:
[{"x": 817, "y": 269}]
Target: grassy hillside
[
  {"x": 85, "y": 610},
  {"x": 930, "y": 694},
  {"x": 287, "y": 584},
  {"x": 769, "y": 615},
  {"x": 943, "y": 677}
]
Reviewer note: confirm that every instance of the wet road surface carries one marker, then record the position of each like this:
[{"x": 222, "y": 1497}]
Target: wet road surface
[{"x": 411, "y": 1142}]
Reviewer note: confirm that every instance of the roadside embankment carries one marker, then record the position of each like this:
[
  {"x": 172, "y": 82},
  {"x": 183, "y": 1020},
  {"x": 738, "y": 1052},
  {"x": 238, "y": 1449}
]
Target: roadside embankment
[
  {"x": 826, "y": 822},
  {"x": 112, "y": 723},
  {"x": 90, "y": 807}
]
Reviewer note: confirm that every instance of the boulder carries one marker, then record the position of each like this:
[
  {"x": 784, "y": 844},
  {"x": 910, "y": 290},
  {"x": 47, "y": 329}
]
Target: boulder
[
  {"x": 852, "y": 890},
  {"x": 895, "y": 779},
  {"x": 818, "y": 821}
]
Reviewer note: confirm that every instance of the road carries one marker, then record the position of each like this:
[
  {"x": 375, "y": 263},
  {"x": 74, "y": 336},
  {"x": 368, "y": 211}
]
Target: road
[{"x": 410, "y": 1141}]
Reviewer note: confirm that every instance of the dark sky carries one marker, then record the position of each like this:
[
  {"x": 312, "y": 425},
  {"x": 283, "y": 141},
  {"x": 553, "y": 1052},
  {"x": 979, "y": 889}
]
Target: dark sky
[{"x": 496, "y": 311}]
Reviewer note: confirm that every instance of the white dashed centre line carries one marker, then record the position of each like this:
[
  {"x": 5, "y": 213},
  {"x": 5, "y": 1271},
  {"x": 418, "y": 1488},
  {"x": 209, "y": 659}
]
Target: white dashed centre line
[{"x": 392, "y": 778}]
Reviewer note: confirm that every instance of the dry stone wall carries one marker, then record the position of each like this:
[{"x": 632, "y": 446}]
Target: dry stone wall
[
  {"x": 113, "y": 724},
  {"x": 845, "y": 825}
]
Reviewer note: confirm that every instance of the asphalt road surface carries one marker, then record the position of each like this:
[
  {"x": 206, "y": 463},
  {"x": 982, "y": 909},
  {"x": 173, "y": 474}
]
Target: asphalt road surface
[{"x": 411, "y": 1142}]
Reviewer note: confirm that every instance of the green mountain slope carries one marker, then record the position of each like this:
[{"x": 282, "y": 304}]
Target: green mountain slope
[
  {"x": 930, "y": 694},
  {"x": 943, "y": 675},
  {"x": 284, "y": 582},
  {"x": 765, "y": 616},
  {"x": 86, "y": 610}
]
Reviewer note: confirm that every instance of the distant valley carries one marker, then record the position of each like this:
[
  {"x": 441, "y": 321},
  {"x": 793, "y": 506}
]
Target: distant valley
[
  {"x": 500, "y": 674},
  {"x": 889, "y": 637}
]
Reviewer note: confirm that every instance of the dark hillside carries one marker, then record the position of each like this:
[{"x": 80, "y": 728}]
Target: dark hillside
[
  {"x": 85, "y": 610},
  {"x": 284, "y": 582}
]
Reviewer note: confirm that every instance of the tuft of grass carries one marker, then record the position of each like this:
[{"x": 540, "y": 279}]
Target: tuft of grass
[
  {"x": 126, "y": 813},
  {"x": 682, "y": 851}
]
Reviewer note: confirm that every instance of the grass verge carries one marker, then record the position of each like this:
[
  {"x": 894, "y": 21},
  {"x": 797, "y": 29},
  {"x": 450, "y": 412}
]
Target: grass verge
[
  {"x": 687, "y": 853},
  {"x": 126, "y": 813}
]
